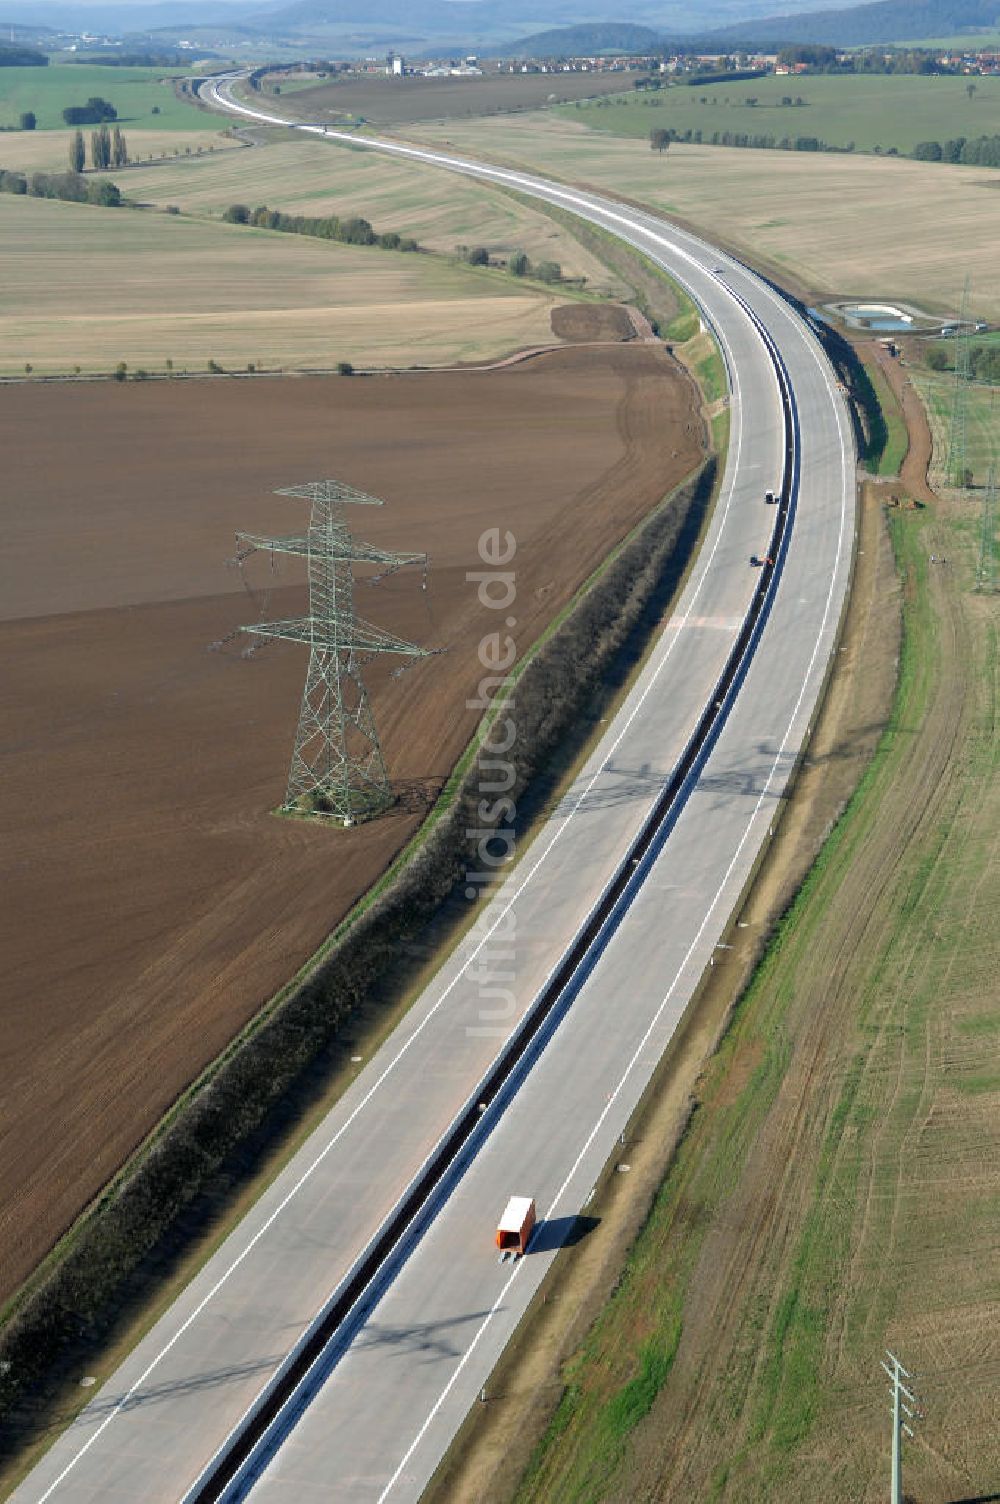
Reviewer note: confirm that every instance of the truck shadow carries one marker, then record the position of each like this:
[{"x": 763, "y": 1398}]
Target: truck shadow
[{"x": 561, "y": 1232}]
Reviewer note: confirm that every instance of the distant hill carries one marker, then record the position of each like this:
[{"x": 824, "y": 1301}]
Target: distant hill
[
  {"x": 442, "y": 17},
  {"x": 866, "y": 25},
  {"x": 583, "y": 41},
  {"x": 585, "y": 25}
]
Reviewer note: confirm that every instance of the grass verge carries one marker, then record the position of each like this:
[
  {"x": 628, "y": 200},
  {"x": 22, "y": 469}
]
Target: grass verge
[{"x": 886, "y": 434}]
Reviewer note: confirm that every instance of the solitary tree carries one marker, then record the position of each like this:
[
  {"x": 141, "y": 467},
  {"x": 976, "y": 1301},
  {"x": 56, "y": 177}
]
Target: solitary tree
[
  {"x": 28, "y": 121},
  {"x": 659, "y": 140},
  {"x": 77, "y": 155}
]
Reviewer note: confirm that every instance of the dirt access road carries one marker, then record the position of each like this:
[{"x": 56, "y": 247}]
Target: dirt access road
[
  {"x": 153, "y": 899},
  {"x": 916, "y": 461}
]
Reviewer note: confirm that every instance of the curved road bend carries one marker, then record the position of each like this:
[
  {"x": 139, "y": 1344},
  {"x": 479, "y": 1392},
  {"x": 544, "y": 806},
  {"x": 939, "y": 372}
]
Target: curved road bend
[{"x": 385, "y": 1416}]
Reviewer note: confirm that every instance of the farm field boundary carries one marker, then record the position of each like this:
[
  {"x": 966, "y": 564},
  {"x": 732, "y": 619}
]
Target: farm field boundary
[
  {"x": 308, "y": 303},
  {"x": 863, "y": 226},
  {"x": 860, "y": 112}
]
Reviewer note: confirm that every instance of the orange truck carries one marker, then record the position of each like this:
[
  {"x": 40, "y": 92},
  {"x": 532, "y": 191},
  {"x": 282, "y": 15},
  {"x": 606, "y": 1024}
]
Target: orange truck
[{"x": 516, "y": 1225}]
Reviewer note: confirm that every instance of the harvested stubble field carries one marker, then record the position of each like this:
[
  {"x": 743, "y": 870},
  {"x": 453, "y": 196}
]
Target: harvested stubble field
[
  {"x": 91, "y": 287},
  {"x": 48, "y": 151},
  {"x": 155, "y": 900},
  {"x": 305, "y": 176},
  {"x": 398, "y": 101},
  {"x": 824, "y": 225}
]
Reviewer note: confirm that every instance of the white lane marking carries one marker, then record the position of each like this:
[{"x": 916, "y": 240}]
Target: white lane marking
[
  {"x": 443, "y": 1396},
  {"x": 314, "y": 1165}
]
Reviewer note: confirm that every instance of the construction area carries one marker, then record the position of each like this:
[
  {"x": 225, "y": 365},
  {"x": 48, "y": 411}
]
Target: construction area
[{"x": 155, "y": 898}]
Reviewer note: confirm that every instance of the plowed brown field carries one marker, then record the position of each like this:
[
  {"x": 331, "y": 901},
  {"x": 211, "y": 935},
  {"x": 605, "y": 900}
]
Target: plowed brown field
[{"x": 153, "y": 901}]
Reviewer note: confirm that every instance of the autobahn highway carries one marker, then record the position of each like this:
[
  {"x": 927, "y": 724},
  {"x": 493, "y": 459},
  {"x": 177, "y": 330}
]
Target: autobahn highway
[{"x": 712, "y": 727}]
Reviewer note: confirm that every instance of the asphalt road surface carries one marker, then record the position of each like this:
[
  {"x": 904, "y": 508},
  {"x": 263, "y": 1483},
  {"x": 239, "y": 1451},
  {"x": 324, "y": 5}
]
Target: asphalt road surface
[{"x": 382, "y": 1407}]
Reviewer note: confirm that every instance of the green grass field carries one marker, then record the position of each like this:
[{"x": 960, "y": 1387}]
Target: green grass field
[
  {"x": 982, "y": 423},
  {"x": 134, "y": 92},
  {"x": 193, "y": 291},
  {"x": 888, "y": 441},
  {"x": 870, "y": 110}
]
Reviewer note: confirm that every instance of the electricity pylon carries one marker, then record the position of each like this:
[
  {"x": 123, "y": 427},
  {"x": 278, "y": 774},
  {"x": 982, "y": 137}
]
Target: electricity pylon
[
  {"x": 960, "y": 395},
  {"x": 903, "y": 1403},
  {"x": 337, "y": 765},
  {"x": 986, "y": 578}
]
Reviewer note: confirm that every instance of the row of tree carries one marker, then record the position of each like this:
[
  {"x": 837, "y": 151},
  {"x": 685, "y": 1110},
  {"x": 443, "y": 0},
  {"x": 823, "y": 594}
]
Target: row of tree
[
  {"x": 14, "y": 56},
  {"x": 517, "y": 263},
  {"x": 353, "y": 231},
  {"x": 64, "y": 185},
  {"x": 659, "y": 140},
  {"x": 981, "y": 151},
  {"x": 821, "y": 59},
  {"x": 984, "y": 362},
  {"x": 106, "y": 150}
]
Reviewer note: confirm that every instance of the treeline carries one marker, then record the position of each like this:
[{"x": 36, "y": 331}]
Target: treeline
[
  {"x": 233, "y": 1119},
  {"x": 169, "y": 59},
  {"x": 821, "y": 59},
  {"x": 69, "y": 186},
  {"x": 13, "y": 56},
  {"x": 727, "y": 76},
  {"x": 763, "y": 141},
  {"x": 353, "y": 231},
  {"x": 981, "y": 151},
  {"x": 517, "y": 263},
  {"x": 984, "y": 362}
]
